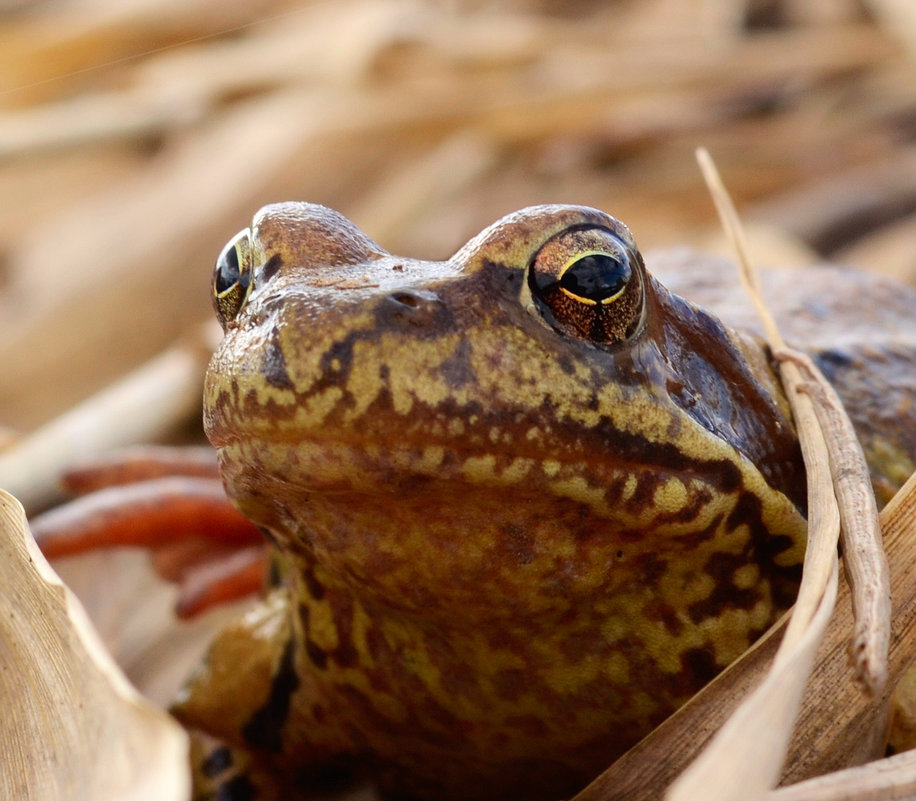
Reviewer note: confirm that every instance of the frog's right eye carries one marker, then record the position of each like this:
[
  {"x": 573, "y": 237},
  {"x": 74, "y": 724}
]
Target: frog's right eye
[
  {"x": 588, "y": 283},
  {"x": 232, "y": 278}
]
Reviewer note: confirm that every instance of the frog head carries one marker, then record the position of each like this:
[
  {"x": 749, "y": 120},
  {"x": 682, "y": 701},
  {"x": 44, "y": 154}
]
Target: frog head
[{"x": 530, "y": 423}]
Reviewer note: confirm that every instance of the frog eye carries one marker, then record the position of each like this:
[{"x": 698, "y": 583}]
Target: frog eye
[
  {"x": 588, "y": 282},
  {"x": 232, "y": 278}
]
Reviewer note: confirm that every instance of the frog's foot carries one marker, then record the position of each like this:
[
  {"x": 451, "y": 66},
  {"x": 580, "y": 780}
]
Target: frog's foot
[
  {"x": 171, "y": 501},
  {"x": 225, "y": 773},
  {"x": 221, "y": 772}
]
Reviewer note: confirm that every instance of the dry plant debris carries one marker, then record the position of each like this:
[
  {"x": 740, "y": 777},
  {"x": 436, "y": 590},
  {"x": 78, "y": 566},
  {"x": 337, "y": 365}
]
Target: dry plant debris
[
  {"x": 754, "y": 741},
  {"x": 142, "y": 406},
  {"x": 844, "y": 497},
  {"x": 72, "y": 726}
]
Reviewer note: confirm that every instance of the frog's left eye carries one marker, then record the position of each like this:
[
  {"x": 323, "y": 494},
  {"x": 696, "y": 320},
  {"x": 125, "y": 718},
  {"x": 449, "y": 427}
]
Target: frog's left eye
[
  {"x": 232, "y": 278},
  {"x": 589, "y": 284}
]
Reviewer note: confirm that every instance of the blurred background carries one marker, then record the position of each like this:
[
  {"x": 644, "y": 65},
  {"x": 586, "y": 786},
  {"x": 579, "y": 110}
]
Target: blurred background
[{"x": 137, "y": 136}]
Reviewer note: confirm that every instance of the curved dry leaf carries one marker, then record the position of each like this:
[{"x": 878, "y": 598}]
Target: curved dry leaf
[{"x": 73, "y": 727}]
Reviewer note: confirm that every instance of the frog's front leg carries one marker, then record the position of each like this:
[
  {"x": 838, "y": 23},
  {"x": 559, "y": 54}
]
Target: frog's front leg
[{"x": 254, "y": 694}]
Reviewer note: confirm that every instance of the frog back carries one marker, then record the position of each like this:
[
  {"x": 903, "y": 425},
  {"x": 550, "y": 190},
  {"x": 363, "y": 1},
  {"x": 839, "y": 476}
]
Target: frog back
[{"x": 859, "y": 327}]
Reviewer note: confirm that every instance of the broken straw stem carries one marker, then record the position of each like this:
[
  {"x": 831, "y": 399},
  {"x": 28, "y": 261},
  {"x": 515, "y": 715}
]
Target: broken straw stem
[{"x": 866, "y": 564}]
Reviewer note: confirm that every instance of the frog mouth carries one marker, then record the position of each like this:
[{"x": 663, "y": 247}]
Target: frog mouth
[
  {"x": 342, "y": 464},
  {"x": 384, "y": 453}
]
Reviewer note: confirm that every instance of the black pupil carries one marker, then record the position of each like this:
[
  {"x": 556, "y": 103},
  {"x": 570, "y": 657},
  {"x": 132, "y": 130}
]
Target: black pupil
[
  {"x": 596, "y": 277},
  {"x": 228, "y": 273}
]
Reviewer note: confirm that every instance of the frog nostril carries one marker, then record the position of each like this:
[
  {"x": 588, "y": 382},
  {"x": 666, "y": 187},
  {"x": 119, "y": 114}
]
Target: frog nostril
[
  {"x": 407, "y": 299},
  {"x": 418, "y": 308},
  {"x": 415, "y": 299}
]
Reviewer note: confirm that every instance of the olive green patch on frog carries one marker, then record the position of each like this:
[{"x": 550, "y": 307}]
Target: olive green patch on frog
[{"x": 344, "y": 653}]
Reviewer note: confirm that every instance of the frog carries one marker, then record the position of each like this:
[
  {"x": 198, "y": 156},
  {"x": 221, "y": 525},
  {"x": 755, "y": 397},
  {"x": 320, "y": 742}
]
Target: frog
[{"x": 522, "y": 503}]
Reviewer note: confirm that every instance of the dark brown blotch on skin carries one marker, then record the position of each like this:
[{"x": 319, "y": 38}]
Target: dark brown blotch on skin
[
  {"x": 721, "y": 568},
  {"x": 274, "y": 366},
  {"x": 336, "y": 363},
  {"x": 699, "y": 666},
  {"x": 216, "y": 762},
  {"x": 345, "y": 654},
  {"x": 238, "y": 788},
  {"x": 657, "y": 609},
  {"x": 767, "y": 547},
  {"x": 649, "y": 569},
  {"x": 457, "y": 369},
  {"x": 270, "y": 269},
  {"x": 265, "y": 727},
  {"x": 312, "y": 585},
  {"x": 691, "y": 511},
  {"x": 332, "y": 775},
  {"x": 315, "y": 654}
]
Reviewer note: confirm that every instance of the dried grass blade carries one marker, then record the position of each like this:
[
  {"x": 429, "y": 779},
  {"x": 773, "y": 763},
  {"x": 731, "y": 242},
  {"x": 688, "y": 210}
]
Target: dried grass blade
[
  {"x": 864, "y": 558},
  {"x": 884, "y": 780},
  {"x": 863, "y": 555}
]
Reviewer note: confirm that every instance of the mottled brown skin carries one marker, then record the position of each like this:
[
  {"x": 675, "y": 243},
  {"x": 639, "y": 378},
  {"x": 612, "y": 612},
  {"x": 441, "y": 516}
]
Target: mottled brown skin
[{"x": 508, "y": 551}]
